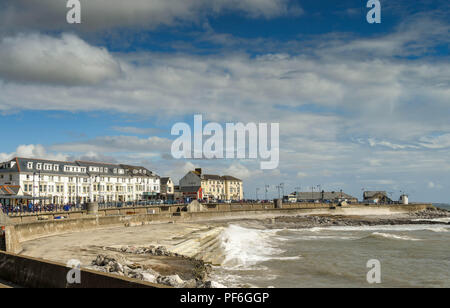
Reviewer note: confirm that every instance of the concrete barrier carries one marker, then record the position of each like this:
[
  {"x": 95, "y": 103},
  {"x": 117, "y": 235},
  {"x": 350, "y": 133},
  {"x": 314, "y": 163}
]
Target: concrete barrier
[
  {"x": 37, "y": 273},
  {"x": 92, "y": 208}
]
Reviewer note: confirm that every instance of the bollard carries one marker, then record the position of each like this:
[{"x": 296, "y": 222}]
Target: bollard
[
  {"x": 92, "y": 208},
  {"x": 278, "y": 203}
]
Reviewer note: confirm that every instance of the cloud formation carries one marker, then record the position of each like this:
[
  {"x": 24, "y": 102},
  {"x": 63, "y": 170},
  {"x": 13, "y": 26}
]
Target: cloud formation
[
  {"x": 145, "y": 14},
  {"x": 65, "y": 60}
]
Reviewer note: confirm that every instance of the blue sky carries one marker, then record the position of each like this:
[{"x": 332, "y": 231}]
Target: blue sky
[{"x": 360, "y": 106}]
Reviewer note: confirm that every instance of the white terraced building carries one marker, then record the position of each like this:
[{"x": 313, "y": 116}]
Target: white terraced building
[{"x": 62, "y": 183}]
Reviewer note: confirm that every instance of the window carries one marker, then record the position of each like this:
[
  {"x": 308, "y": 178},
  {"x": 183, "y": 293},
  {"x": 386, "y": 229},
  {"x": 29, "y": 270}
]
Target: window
[
  {"x": 38, "y": 166},
  {"x": 55, "y": 167},
  {"x": 30, "y": 165}
]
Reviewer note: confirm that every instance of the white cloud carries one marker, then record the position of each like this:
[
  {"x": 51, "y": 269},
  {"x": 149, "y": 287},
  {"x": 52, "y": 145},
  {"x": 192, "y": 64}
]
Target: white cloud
[
  {"x": 436, "y": 142},
  {"x": 118, "y": 144},
  {"x": 67, "y": 60},
  {"x": 302, "y": 174},
  {"x": 107, "y": 14},
  {"x": 136, "y": 130},
  {"x": 240, "y": 171},
  {"x": 32, "y": 151}
]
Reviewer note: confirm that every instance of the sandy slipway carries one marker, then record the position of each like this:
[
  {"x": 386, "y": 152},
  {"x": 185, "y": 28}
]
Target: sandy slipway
[{"x": 179, "y": 254}]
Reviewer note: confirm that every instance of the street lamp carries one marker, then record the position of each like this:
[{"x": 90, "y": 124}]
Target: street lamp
[{"x": 266, "y": 190}]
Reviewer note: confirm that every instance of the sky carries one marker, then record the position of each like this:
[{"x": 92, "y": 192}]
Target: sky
[{"x": 361, "y": 106}]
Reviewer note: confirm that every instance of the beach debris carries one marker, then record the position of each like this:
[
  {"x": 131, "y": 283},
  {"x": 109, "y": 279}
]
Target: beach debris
[
  {"x": 151, "y": 250},
  {"x": 128, "y": 269}
]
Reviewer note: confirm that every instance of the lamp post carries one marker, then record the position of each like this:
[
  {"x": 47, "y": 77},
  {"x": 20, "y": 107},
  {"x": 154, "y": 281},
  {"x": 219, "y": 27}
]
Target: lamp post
[
  {"x": 39, "y": 181},
  {"x": 32, "y": 193},
  {"x": 282, "y": 188},
  {"x": 298, "y": 189},
  {"x": 257, "y": 189},
  {"x": 266, "y": 190}
]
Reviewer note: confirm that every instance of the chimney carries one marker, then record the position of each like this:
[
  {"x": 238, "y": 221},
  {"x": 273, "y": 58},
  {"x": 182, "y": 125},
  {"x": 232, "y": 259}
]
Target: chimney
[{"x": 198, "y": 171}]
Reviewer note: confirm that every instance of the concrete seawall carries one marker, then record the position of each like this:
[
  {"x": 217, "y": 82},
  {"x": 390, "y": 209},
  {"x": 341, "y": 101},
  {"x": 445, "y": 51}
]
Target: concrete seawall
[
  {"x": 36, "y": 273},
  {"x": 25, "y": 231}
]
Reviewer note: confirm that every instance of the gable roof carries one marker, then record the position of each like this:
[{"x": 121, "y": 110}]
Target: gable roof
[
  {"x": 231, "y": 178},
  {"x": 164, "y": 180},
  {"x": 372, "y": 194},
  {"x": 10, "y": 190}
]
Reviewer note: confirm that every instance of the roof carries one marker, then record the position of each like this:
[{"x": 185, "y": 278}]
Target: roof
[
  {"x": 215, "y": 177},
  {"x": 231, "y": 178},
  {"x": 211, "y": 177},
  {"x": 371, "y": 194},
  {"x": 20, "y": 164},
  {"x": 190, "y": 189},
  {"x": 165, "y": 180},
  {"x": 10, "y": 190},
  {"x": 325, "y": 195}
]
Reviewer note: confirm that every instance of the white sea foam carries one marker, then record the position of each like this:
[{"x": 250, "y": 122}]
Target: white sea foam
[
  {"x": 394, "y": 236},
  {"x": 399, "y": 228},
  {"x": 444, "y": 219},
  {"x": 244, "y": 248}
]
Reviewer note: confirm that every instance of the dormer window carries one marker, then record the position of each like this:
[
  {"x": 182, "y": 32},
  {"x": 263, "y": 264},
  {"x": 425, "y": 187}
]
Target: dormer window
[
  {"x": 38, "y": 166},
  {"x": 30, "y": 165}
]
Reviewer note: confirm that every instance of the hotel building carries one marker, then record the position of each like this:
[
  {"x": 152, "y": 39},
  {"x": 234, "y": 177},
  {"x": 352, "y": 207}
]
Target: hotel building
[{"x": 57, "y": 182}]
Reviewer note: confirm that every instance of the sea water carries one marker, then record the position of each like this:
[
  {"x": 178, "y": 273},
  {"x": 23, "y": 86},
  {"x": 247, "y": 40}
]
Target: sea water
[{"x": 410, "y": 256}]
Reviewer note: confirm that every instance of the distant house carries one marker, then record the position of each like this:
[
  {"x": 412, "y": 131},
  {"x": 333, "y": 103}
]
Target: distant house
[
  {"x": 214, "y": 187},
  {"x": 321, "y": 197},
  {"x": 376, "y": 197},
  {"x": 167, "y": 188},
  {"x": 190, "y": 192}
]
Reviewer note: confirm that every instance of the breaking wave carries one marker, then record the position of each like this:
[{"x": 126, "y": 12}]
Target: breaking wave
[
  {"x": 398, "y": 228},
  {"x": 393, "y": 236},
  {"x": 244, "y": 248}
]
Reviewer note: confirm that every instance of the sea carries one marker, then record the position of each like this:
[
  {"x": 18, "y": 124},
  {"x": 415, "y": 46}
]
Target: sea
[{"x": 408, "y": 255}]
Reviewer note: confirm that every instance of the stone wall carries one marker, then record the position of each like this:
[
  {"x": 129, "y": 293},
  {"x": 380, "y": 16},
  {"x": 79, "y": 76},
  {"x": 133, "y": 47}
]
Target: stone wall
[
  {"x": 4, "y": 220},
  {"x": 36, "y": 273}
]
